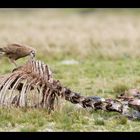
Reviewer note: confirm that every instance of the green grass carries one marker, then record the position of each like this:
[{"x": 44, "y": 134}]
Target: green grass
[
  {"x": 106, "y": 45},
  {"x": 105, "y": 78}
]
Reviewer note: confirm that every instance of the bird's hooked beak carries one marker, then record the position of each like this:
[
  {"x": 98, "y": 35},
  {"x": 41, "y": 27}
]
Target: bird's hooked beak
[{"x": 32, "y": 54}]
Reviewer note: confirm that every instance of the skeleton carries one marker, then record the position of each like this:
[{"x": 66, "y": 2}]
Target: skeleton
[{"x": 36, "y": 77}]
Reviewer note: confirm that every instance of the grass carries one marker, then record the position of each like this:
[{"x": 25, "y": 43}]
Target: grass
[{"x": 105, "y": 43}]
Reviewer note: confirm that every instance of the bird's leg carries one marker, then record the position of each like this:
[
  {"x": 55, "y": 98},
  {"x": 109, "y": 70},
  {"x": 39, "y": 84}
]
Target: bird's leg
[{"x": 13, "y": 61}]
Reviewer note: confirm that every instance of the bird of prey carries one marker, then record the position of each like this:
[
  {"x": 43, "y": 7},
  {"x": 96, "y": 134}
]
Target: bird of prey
[{"x": 16, "y": 51}]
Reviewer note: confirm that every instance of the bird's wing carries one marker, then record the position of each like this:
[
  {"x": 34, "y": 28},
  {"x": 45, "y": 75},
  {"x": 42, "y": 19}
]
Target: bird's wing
[
  {"x": 17, "y": 45},
  {"x": 12, "y": 48}
]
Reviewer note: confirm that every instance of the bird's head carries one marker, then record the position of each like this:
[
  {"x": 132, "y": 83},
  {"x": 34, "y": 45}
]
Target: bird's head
[{"x": 32, "y": 53}]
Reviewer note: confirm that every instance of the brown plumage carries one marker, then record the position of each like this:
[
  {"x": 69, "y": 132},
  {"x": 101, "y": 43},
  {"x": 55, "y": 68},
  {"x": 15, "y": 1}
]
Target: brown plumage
[{"x": 17, "y": 51}]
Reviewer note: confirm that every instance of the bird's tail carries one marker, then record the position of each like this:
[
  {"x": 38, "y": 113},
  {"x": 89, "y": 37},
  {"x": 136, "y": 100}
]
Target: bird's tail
[{"x": 1, "y": 51}]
